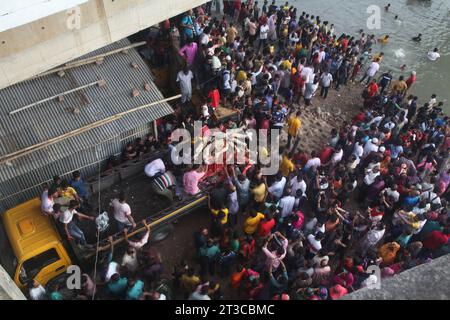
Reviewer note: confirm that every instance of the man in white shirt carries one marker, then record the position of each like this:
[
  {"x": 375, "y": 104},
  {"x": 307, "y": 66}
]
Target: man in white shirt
[
  {"x": 308, "y": 74},
  {"x": 337, "y": 156},
  {"x": 263, "y": 33},
  {"x": 287, "y": 203},
  {"x": 358, "y": 150},
  {"x": 36, "y": 291},
  {"x": 370, "y": 176},
  {"x": 325, "y": 80},
  {"x": 122, "y": 213},
  {"x": 130, "y": 260},
  {"x": 297, "y": 183},
  {"x": 155, "y": 168},
  {"x": 47, "y": 201},
  {"x": 314, "y": 242},
  {"x": 392, "y": 193},
  {"x": 184, "y": 78},
  {"x": 314, "y": 162},
  {"x": 276, "y": 189},
  {"x": 293, "y": 38},
  {"x": 370, "y": 146},
  {"x": 433, "y": 55},
  {"x": 372, "y": 71},
  {"x": 372, "y": 238},
  {"x": 70, "y": 227},
  {"x": 204, "y": 37}
]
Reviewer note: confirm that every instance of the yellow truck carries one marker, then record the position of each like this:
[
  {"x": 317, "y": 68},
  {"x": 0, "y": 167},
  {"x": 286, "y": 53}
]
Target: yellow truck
[
  {"x": 36, "y": 244},
  {"x": 41, "y": 253}
]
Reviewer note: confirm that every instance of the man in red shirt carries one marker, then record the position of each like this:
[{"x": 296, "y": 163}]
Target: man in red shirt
[
  {"x": 214, "y": 97},
  {"x": 298, "y": 83},
  {"x": 344, "y": 43},
  {"x": 265, "y": 226},
  {"x": 372, "y": 89},
  {"x": 360, "y": 117},
  {"x": 326, "y": 154},
  {"x": 300, "y": 158},
  {"x": 411, "y": 80},
  {"x": 435, "y": 240}
]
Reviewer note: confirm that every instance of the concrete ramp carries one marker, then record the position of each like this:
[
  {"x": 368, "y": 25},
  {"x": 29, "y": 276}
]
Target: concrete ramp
[{"x": 430, "y": 281}]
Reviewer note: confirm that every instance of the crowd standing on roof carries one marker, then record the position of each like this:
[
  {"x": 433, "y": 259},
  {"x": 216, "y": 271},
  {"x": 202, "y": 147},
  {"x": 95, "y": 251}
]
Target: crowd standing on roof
[{"x": 376, "y": 195}]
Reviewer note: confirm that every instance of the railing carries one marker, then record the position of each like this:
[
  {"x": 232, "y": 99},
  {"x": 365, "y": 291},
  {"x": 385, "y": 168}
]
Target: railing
[
  {"x": 123, "y": 171},
  {"x": 155, "y": 220}
]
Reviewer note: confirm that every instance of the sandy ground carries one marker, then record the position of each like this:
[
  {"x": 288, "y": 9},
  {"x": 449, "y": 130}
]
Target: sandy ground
[{"x": 326, "y": 114}]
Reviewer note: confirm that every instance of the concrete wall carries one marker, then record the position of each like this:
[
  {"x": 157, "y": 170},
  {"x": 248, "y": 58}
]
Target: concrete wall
[
  {"x": 8, "y": 289},
  {"x": 40, "y": 45},
  {"x": 429, "y": 281}
]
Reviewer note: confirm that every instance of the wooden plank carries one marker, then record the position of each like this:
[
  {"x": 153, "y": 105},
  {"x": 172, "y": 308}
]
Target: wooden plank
[
  {"x": 44, "y": 144},
  {"x": 90, "y": 60},
  {"x": 59, "y": 95}
]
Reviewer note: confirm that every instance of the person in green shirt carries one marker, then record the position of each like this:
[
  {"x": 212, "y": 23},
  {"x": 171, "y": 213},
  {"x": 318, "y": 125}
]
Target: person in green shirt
[
  {"x": 404, "y": 238},
  {"x": 235, "y": 244},
  {"x": 135, "y": 289},
  {"x": 117, "y": 285},
  {"x": 208, "y": 257},
  {"x": 55, "y": 294}
]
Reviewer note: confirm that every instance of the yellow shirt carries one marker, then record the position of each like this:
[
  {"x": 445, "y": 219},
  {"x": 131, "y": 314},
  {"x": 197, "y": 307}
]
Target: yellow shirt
[
  {"x": 286, "y": 65},
  {"x": 215, "y": 213},
  {"x": 241, "y": 76},
  {"x": 378, "y": 56},
  {"x": 259, "y": 192},
  {"x": 388, "y": 254},
  {"x": 251, "y": 224},
  {"x": 294, "y": 124},
  {"x": 286, "y": 166},
  {"x": 69, "y": 193},
  {"x": 189, "y": 284},
  {"x": 399, "y": 86},
  {"x": 383, "y": 40},
  {"x": 272, "y": 49}
]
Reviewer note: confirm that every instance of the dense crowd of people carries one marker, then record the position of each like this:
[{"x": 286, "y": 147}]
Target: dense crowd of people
[{"x": 376, "y": 195}]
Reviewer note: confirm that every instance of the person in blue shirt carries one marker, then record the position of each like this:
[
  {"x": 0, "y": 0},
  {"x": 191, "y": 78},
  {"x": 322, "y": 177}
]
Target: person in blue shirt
[
  {"x": 135, "y": 289},
  {"x": 78, "y": 184},
  {"x": 226, "y": 260},
  {"x": 188, "y": 26},
  {"x": 404, "y": 238},
  {"x": 412, "y": 199},
  {"x": 396, "y": 150}
]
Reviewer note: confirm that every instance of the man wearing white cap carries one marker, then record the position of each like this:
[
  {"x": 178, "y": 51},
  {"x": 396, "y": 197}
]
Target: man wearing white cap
[{"x": 370, "y": 146}]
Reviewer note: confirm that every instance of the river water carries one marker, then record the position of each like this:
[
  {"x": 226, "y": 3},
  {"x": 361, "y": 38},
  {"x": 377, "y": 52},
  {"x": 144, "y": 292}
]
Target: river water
[{"x": 430, "y": 18}]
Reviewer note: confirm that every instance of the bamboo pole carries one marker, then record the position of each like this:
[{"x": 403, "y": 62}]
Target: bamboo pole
[
  {"x": 44, "y": 144},
  {"x": 90, "y": 60},
  {"x": 56, "y": 96}
]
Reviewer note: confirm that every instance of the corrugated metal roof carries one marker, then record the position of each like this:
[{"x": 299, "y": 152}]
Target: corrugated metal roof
[{"x": 53, "y": 118}]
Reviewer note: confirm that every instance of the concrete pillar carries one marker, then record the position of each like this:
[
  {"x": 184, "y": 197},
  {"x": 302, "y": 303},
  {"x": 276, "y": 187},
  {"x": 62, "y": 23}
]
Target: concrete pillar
[
  {"x": 40, "y": 45},
  {"x": 8, "y": 289}
]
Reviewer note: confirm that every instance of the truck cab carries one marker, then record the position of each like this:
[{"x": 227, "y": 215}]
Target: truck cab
[{"x": 37, "y": 246}]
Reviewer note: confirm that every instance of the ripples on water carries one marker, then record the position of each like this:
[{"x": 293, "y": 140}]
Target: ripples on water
[{"x": 430, "y": 18}]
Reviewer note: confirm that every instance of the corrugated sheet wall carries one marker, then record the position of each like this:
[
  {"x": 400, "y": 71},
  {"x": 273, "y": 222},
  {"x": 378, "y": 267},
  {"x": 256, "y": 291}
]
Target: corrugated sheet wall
[{"x": 19, "y": 189}]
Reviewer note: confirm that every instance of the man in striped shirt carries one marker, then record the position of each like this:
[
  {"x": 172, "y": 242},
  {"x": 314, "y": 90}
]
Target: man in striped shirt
[{"x": 164, "y": 185}]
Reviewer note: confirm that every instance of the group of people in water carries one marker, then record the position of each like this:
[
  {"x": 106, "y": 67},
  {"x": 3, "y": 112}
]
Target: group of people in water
[{"x": 376, "y": 196}]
